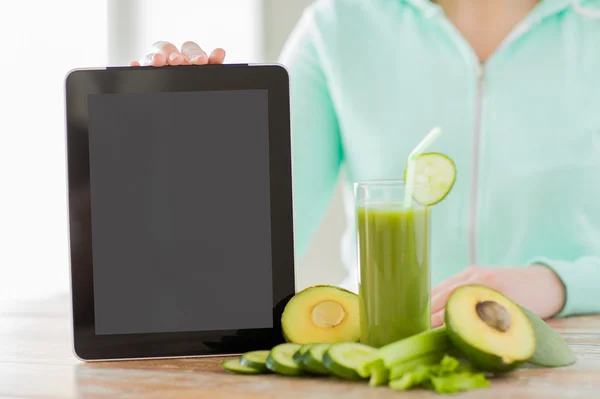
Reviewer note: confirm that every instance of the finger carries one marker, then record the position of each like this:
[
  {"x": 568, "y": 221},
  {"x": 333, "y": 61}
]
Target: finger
[
  {"x": 169, "y": 51},
  {"x": 134, "y": 64},
  {"x": 194, "y": 53},
  {"x": 437, "y": 319},
  {"x": 438, "y": 301},
  {"x": 466, "y": 273},
  {"x": 154, "y": 59},
  {"x": 217, "y": 56},
  {"x": 175, "y": 59}
]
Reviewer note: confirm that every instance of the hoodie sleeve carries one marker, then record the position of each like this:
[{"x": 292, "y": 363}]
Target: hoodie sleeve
[
  {"x": 580, "y": 278},
  {"x": 316, "y": 144}
]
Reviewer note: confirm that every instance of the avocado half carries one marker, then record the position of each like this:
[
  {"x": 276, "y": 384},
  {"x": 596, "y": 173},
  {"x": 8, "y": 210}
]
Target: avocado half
[
  {"x": 321, "y": 313},
  {"x": 490, "y": 329}
]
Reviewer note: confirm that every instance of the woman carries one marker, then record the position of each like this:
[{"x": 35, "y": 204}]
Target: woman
[{"x": 515, "y": 86}]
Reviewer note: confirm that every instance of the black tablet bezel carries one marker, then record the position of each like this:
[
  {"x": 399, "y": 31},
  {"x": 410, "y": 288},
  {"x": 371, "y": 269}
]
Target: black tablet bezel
[{"x": 79, "y": 85}]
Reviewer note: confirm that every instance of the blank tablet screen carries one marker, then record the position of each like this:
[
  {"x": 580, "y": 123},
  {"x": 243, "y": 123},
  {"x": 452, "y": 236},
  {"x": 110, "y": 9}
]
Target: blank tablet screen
[{"x": 180, "y": 191}]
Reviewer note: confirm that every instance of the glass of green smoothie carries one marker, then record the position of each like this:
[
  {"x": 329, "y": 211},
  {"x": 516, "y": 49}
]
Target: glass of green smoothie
[{"x": 393, "y": 253}]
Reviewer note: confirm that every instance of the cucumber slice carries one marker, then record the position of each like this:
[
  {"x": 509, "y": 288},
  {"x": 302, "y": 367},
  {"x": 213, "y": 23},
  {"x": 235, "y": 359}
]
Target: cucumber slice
[
  {"x": 342, "y": 359},
  {"x": 235, "y": 366},
  {"x": 313, "y": 359},
  {"x": 256, "y": 360},
  {"x": 435, "y": 175},
  {"x": 280, "y": 360},
  {"x": 406, "y": 349},
  {"x": 297, "y": 358}
]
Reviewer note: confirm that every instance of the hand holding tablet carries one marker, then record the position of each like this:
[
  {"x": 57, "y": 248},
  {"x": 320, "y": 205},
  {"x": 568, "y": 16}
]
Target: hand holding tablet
[{"x": 165, "y": 53}]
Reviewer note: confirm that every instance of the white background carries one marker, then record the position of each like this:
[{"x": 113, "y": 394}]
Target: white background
[
  {"x": 234, "y": 25},
  {"x": 42, "y": 41}
]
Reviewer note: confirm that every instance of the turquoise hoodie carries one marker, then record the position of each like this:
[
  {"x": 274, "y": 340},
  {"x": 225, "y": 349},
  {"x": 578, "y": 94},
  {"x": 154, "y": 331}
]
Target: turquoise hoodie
[{"x": 369, "y": 78}]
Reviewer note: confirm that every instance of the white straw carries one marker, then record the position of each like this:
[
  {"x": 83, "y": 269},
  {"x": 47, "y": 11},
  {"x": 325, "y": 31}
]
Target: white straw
[{"x": 412, "y": 158}]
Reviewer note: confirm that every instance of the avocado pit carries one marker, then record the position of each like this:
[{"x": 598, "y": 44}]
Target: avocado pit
[
  {"x": 328, "y": 314},
  {"x": 494, "y": 315}
]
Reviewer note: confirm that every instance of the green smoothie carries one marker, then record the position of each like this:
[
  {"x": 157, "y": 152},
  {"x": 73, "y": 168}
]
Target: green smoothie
[{"x": 394, "y": 272}]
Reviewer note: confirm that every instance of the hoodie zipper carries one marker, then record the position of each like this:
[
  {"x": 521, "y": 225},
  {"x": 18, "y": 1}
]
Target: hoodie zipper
[
  {"x": 477, "y": 127},
  {"x": 474, "y": 208},
  {"x": 526, "y": 25}
]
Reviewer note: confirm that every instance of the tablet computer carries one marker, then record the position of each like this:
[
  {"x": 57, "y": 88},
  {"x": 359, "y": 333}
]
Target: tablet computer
[{"x": 180, "y": 209}]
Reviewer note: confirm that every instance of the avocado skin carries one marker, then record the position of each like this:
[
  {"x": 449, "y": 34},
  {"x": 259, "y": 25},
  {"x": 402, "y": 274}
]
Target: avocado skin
[
  {"x": 483, "y": 361},
  {"x": 551, "y": 350}
]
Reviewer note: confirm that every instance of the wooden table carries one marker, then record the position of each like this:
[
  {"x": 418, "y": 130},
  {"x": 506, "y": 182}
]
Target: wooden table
[{"x": 36, "y": 361}]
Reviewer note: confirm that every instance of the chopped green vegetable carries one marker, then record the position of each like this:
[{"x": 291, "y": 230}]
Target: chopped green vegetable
[
  {"x": 449, "y": 376},
  {"x": 420, "y": 375},
  {"x": 436, "y": 371},
  {"x": 402, "y": 384},
  {"x": 380, "y": 374},
  {"x": 407, "y": 349},
  {"x": 399, "y": 369},
  {"x": 448, "y": 364},
  {"x": 464, "y": 381}
]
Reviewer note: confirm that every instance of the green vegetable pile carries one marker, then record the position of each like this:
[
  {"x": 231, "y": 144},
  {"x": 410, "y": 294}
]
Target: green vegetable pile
[
  {"x": 499, "y": 336},
  {"x": 412, "y": 365},
  {"x": 449, "y": 376}
]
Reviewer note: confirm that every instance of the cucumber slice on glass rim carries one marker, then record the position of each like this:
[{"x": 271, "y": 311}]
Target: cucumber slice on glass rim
[{"x": 435, "y": 175}]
